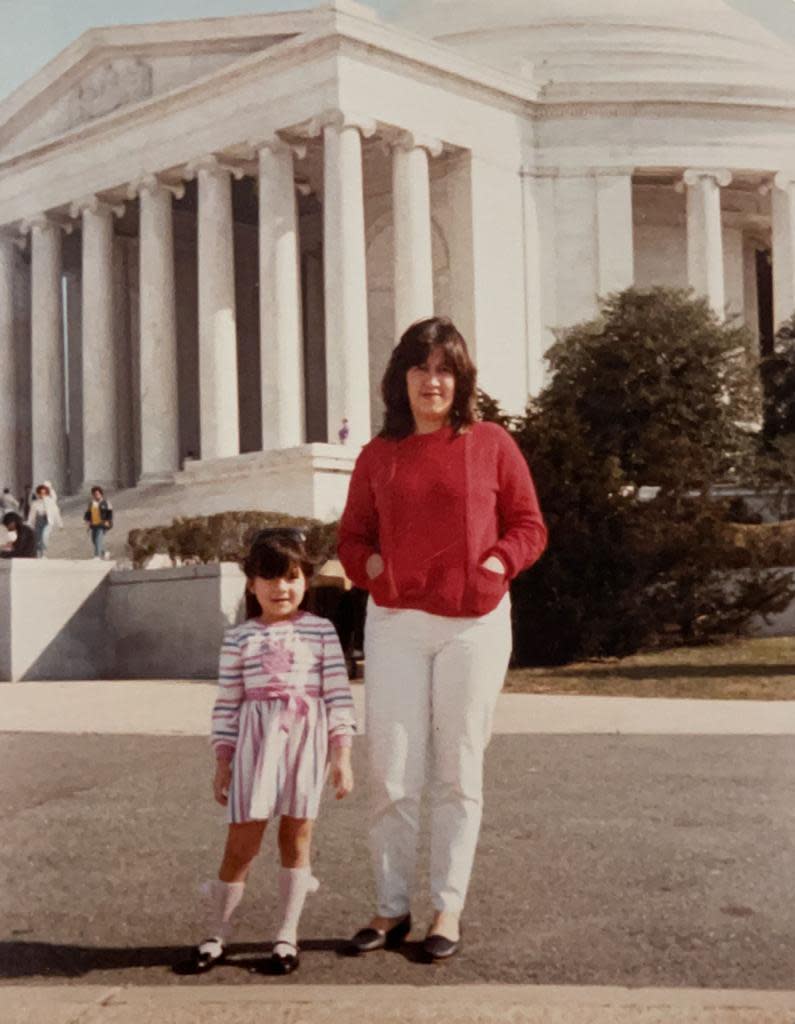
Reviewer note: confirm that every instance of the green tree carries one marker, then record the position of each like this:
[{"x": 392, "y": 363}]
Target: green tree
[{"x": 652, "y": 393}]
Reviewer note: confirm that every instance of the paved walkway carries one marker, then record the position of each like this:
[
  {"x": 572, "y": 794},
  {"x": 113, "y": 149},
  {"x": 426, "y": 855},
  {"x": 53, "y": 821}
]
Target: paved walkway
[
  {"x": 508, "y": 1004},
  {"x": 675, "y": 832},
  {"x": 167, "y": 707}
]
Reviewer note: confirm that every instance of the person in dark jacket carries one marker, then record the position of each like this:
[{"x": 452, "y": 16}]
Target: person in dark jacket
[
  {"x": 24, "y": 544},
  {"x": 99, "y": 516}
]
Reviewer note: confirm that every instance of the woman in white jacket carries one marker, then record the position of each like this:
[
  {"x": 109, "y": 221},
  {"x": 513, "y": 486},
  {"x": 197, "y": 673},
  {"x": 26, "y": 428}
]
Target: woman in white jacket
[{"x": 44, "y": 514}]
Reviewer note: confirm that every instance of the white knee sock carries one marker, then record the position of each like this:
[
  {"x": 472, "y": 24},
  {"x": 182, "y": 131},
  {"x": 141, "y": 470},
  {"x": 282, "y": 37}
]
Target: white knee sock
[
  {"x": 294, "y": 884},
  {"x": 224, "y": 899}
]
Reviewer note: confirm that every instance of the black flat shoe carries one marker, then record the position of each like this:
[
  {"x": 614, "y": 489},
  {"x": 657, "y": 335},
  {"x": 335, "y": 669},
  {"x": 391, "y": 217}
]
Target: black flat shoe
[
  {"x": 200, "y": 961},
  {"x": 439, "y": 947},
  {"x": 368, "y": 939},
  {"x": 282, "y": 963}
]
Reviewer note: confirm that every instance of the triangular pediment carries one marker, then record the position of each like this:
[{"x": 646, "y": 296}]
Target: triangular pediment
[{"x": 108, "y": 69}]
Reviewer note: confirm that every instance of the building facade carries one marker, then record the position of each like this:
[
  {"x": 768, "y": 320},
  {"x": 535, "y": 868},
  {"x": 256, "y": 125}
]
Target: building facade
[{"x": 212, "y": 232}]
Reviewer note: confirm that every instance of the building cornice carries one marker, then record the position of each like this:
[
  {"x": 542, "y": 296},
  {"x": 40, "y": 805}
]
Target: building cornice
[{"x": 334, "y": 30}]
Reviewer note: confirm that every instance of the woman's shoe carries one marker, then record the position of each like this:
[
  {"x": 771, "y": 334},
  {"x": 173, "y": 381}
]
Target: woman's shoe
[
  {"x": 203, "y": 957},
  {"x": 283, "y": 959},
  {"x": 439, "y": 947},
  {"x": 368, "y": 939}
]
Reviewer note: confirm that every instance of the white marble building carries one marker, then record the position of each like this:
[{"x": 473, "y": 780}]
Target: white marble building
[{"x": 212, "y": 232}]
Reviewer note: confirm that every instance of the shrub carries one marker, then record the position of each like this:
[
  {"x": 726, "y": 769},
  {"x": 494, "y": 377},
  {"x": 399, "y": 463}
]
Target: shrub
[
  {"x": 651, "y": 393},
  {"x": 223, "y": 537}
]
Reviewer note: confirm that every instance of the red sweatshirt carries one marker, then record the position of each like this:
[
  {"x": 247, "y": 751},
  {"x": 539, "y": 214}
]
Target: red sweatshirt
[{"x": 436, "y": 506}]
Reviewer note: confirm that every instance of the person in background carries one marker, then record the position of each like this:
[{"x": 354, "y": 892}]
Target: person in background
[
  {"x": 22, "y": 543},
  {"x": 44, "y": 514},
  {"x": 99, "y": 516},
  {"x": 8, "y": 503}
]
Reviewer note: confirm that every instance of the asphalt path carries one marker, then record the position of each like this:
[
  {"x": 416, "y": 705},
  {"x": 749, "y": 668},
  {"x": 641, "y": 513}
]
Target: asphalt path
[{"x": 604, "y": 860}]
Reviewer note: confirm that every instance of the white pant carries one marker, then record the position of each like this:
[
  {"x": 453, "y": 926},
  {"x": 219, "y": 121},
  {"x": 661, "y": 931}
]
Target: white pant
[{"x": 431, "y": 687}]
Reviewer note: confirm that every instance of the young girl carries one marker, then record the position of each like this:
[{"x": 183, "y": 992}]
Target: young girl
[{"x": 284, "y": 710}]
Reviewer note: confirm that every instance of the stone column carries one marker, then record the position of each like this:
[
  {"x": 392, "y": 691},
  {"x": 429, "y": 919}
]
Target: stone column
[
  {"x": 614, "y": 230},
  {"x": 281, "y": 333},
  {"x": 411, "y": 217},
  {"x": 48, "y": 393},
  {"x": 218, "y": 390},
  {"x": 534, "y": 321},
  {"x": 705, "y": 235},
  {"x": 9, "y": 364},
  {"x": 100, "y": 362},
  {"x": 783, "y": 215},
  {"x": 159, "y": 396},
  {"x": 345, "y": 274}
]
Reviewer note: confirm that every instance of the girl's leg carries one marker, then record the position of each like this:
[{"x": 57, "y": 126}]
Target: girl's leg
[
  {"x": 295, "y": 880},
  {"x": 225, "y": 893},
  {"x": 242, "y": 846},
  {"x": 398, "y": 655},
  {"x": 468, "y": 674}
]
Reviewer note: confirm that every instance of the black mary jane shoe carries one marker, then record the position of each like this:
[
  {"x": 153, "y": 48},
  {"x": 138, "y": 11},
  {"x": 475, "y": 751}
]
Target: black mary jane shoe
[
  {"x": 439, "y": 947},
  {"x": 282, "y": 963},
  {"x": 368, "y": 939},
  {"x": 200, "y": 961}
]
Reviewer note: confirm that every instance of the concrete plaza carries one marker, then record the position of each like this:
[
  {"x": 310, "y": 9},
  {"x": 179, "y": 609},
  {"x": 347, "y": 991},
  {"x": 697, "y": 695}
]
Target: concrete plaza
[{"x": 635, "y": 865}]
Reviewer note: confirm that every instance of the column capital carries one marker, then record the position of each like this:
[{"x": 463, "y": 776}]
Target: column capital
[
  {"x": 43, "y": 222},
  {"x": 93, "y": 204},
  {"x": 721, "y": 176},
  {"x": 783, "y": 180},
  {"x": 277, "y": 145},
  {"x": 406, "y": 140},
  {"x": 213, "y": 165},
  {"x": 611, "y": 172},
  {"x": 152, "y": 183},
  {"x": 335, "y": 118}
]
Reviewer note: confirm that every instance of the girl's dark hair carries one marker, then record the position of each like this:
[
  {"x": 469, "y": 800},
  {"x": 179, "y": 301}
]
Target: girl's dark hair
[
  {"x": 274, "y": 553},
  {"x": 414, "y": 349}
]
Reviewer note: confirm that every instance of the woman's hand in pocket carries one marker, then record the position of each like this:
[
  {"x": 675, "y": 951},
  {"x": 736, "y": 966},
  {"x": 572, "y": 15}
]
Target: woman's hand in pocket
[
  {"x": 493, "y": 564},
  {"x": 374, "y": 566}
]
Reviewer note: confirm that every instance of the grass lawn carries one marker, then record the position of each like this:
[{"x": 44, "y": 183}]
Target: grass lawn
[{"x": 741, "y": 670}]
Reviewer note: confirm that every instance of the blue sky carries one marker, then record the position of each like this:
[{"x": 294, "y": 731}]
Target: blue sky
[{"x": 32, "y": 32}]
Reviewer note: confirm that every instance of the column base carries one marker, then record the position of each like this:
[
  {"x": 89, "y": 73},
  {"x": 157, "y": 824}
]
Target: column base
[
  {"x": 151, "y": 479},
  {"x": 107, "y": 485}
]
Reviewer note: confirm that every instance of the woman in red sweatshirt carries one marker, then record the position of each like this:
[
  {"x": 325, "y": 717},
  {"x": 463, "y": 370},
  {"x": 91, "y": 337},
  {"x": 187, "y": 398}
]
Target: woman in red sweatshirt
[{"x": 441, "y": 515}]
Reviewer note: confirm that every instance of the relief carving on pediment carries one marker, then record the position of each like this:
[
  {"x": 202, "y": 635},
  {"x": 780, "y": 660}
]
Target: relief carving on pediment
[{"x": 106, "y": 88}]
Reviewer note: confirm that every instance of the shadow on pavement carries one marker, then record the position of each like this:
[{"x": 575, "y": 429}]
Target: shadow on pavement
[{"x": 45, "y": 959}]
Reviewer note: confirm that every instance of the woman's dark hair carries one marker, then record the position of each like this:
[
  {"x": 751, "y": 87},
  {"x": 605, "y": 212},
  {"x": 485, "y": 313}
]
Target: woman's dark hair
[
  {"x": 12, "y": 519},
  {"x": 273, "y": 553},
  {"x": 414, "y": 349}
]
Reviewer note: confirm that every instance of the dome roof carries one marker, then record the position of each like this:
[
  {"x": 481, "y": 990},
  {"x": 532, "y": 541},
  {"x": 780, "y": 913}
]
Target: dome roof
[{"x": 559, "y": 41}]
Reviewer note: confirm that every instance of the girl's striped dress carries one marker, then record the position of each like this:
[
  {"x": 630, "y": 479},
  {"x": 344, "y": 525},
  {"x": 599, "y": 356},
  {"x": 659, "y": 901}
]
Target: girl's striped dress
[{"x": 283, "y": 698}]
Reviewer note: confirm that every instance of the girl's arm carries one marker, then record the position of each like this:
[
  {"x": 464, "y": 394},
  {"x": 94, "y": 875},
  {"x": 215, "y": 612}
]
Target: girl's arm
[
  {"x": 226, "y": 712},
  {"x": 358, "y": 530},
  {"x": 336, "y": 691}
]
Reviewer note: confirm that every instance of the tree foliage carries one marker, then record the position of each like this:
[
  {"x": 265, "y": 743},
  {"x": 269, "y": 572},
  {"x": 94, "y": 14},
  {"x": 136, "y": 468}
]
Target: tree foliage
[{"x": 651, "y": 394}]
